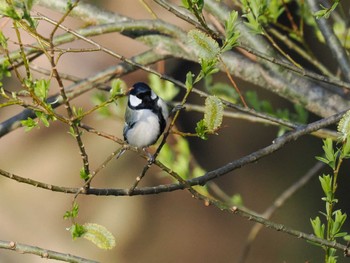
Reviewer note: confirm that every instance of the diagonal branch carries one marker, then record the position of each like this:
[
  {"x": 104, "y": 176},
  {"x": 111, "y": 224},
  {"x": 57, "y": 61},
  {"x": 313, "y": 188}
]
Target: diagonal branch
[
  {"x": 44, "y": 253},
  {"x": 332, "y": 42}
]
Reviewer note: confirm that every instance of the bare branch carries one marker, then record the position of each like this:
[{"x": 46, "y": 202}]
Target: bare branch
[{"x": 44, "y": 253}]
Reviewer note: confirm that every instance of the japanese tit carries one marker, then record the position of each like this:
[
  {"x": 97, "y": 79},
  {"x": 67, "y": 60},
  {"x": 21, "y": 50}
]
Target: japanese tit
[{"x": 146, "y": 116}]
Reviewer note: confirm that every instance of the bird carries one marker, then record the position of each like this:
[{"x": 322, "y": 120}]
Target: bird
[{"x": 146, "y": 116}]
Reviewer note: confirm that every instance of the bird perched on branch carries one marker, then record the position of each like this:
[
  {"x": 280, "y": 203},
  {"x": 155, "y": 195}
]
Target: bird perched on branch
[{"x": 146, "y": 116}]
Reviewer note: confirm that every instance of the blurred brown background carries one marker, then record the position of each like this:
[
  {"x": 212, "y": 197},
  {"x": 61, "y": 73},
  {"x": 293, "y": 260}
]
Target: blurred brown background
[{"x": 170, "y": 227}]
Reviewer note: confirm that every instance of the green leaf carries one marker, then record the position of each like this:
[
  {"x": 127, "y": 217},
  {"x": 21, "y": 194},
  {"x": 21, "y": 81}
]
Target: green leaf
[
  {"x": 318, "y": 227},
  {"x": 330, "y": 156},
  {"x": 78, "y": 112},
  {"x": 41, "y": 88},
  {"x": 117, "y": 88},
  {"x": 213, "y": 114},
  {"x": 29, "y": 124},
  {"x": 208, "y": 67},
  {"x": 205, "y": 46},
  {"x": 339, "y": 220},
  {"x": 202, "y": 130},
  {"x": 73, "y": 213},
  {"x": 77, "y": 230},
  {"x": 326, "y": 184},
  {"x": 193, "y": 5},
  {"x": 231, "y": 33},
  {"x": 44, "y": 118},
  {"x": 84, "y": 175},
  {"x": 325, "y": 12},
  {"x": 99, "y": 235},
  {"x": 189, "y": 80}
]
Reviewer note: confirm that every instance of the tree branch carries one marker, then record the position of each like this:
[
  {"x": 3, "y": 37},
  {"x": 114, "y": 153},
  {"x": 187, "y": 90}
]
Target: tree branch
[
  {"x": 44, "y": 253},
  {"x": 201, "y": 180},
  {"x": 333, "y": 42}
]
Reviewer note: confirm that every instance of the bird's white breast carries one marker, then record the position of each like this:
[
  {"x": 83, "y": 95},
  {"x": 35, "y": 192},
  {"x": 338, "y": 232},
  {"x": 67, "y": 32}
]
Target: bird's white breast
[{"x": 145, "y": 130}]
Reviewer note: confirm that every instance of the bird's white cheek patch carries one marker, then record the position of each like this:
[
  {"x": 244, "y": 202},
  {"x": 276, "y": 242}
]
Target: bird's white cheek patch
[
  {"x": 153, "y": 95},
  {"x": 134, "y": 101}
]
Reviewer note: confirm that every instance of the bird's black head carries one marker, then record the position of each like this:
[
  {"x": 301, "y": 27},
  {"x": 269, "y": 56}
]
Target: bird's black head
[{"x": 142, "y": 97}]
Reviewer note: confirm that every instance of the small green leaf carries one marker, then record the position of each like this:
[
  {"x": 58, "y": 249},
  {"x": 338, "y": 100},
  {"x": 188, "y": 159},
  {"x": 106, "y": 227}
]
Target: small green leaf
[
  {"x": 205, "y": 46},
  {"x": 330, "y": 156},
  {"x": 189, "y": 80},
  {"x": 325, "y": 12},
  {"x": 208, "y": 67},
  {"x": 231, "y": 33},
  {"x": 318, "y": 227},
  {"x": 193, "y": 5},
  {"x": 84, "y": 175},
  {"x": 29, "y": 124},
  {"x": 99, "y": 235},
  {"x": 72, "y": 132},
  {"x": 339, "y": 220},
  {"x": 201, "y": 130},
  {"x": 117, "y": 88},
  {"x": 326, "y": 184},
  {"x": 73, "y": 213},
  {"x": 78, "y": 112},
  {"x": 77, "y": 230},
  {"x": 41, "y": 88},
  {"x": 213, "y": 115},
  {"x": 44, "y": 118}
]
